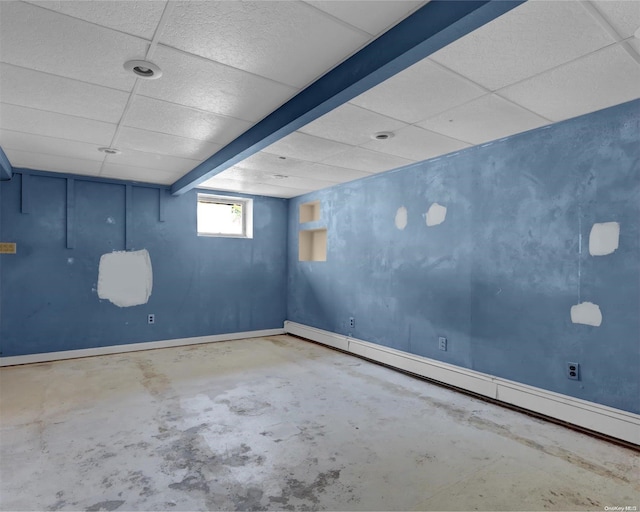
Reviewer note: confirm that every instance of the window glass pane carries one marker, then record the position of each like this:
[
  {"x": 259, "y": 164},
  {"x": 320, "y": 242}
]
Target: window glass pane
[{"x": 220, "y": 218}]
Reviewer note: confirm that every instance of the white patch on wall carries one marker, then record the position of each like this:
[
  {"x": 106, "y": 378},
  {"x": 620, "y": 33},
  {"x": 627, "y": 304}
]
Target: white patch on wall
[
  {"x": 125, "y": 278},
  {"x": 110, "y": 220},
  {"x": 401, "y": 218},
  {"x": 604, "y": 238},
  {"x": 586, "y": 313},
  {"x": 436, "y": 214}
]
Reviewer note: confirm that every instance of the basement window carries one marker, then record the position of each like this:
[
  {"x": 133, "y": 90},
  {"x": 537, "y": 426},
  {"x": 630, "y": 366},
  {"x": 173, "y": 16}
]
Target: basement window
[{"x": 225, "y": 216}]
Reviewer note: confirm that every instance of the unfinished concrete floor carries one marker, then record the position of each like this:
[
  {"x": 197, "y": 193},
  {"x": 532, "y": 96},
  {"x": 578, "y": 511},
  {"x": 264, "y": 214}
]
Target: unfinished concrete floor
[{"x": 282, "y": 424}]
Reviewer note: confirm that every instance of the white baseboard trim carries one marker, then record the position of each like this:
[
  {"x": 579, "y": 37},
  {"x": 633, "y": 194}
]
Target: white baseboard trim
[
  {"x": 598, "y": 418},
  {"x": 134, "y": 347}
]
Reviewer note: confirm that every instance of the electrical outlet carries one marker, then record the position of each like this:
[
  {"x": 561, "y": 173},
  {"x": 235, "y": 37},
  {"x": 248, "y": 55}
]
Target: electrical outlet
[
  {"x": 442, "y": 343},
  {"x": 573, "y": 371},
  {"x": 151, "y": 319},
  {"x": 352, "y": 322}
]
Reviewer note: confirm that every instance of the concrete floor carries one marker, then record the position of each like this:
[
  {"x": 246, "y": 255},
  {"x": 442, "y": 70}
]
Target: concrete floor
[{"x": 282, "y": 424}]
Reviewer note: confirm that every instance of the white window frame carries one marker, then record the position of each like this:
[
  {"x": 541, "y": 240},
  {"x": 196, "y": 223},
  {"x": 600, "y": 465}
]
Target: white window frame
[{"x": 247, "y": 214}]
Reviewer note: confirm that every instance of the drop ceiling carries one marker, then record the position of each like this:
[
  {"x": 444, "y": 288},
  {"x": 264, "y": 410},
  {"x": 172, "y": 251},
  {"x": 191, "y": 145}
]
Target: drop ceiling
[{"x": 227, "y": 64}]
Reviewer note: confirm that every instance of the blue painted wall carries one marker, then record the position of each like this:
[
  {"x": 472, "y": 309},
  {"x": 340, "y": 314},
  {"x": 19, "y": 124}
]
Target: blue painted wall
[
  {"x": 201, "y": 285},
  {"x": 499, "y": 276}
]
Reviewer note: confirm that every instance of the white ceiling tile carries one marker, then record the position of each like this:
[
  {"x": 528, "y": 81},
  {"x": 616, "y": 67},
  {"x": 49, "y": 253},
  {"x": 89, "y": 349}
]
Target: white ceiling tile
[
  {"x": 46, "y": 41},
  {"x": 33, "y": 89},
  {"x": 418, "y": 92},
  {"x": 525, "y": 41},
  {"x": 290, "y": 181},
  {"x": 416, "y": 144},
  {"x": 243, "y": 187},
  {"x": 289, "y": 42},
  {"x": 41, "y": 122},
  {"x": 305, "y": 147},
  {"x": 40, "y": 162},
  {"x": 160, "y": 116},
  {"x": 273, "y": 164},
  {"x": 372, "y": 16},
  {"x": 49, "y": 145},
  {"x": 164, "y": 163},
  {"x": 487, "y": 118},
  {"x": 163, "y": 144},
  {"x": 600, "y": 80},
  {"x": 635, "y": 44},
  {"x": 332, "y": 173},
  {"x": 196, "y": 82},
  {"x": 622, "y": 15},
  {"x": 133, "y": 173},
  {"x": 296, "y": 182},
  {"x": 139, "y": 18},
  {"x": 365, "y": 160},
  {"x": 351, "y": 124}
]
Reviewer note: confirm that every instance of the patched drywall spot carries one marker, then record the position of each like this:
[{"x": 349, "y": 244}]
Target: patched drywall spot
[
  {"x": 401, "y": 218},
  {"x": 586, "y": 313},
  {"x": 604, "y": 238},
  {"x": 70, "y": 261},
  {"x": 436, "y": 214},
  {"x": 125, "y": 278},
  {"x": 110, "y": 220}
]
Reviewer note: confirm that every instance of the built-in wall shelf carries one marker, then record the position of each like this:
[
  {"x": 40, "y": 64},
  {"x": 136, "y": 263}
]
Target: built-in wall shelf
[
  {"x": 312, "y": 245},
  {"x": 309, "y": 211}
]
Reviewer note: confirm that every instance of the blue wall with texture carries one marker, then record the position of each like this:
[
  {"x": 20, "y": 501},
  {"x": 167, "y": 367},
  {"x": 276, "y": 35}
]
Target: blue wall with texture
[
  {"x": 499, "y": 276},
  {"x": 201, "y": 285}
]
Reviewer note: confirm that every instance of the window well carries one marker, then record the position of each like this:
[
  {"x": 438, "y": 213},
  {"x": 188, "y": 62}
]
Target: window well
[{"x": 225, "y": 216}]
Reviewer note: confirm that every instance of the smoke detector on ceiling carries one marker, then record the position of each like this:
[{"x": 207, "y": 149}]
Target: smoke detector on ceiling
[{"x": 143, "y": 69}]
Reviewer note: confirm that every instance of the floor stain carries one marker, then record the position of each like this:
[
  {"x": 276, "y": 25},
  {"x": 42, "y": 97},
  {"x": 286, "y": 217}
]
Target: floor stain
[
  {"x": 306, "y": 492},
  {"x": 105, "y": 505},
  {"x": 554, "y": 451},
  {"x": 155, "y": 382},
  {"x": 463, "y": 415},
  {"x": 289, "y": 437},
  {"x": 249, "y": 500},
  {"x": 246, "y": 406}
]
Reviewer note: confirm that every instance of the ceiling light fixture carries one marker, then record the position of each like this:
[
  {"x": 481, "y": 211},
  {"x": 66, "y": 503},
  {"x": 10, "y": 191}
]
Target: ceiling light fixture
[
  {"x": 382, "y": 135},
  {"x": 143, "y": 69},
  {"x": 110, "y": 151}
]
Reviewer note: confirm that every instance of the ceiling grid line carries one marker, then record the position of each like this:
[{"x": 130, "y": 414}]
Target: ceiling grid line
[
  {"x": 222, "y": 64},
  {"x": 164, "y": 19},
  {"x": 75, "y": 18},
  {"x": 168, "y": 9},
  {"x": 609, "y": 28},
  {"x": 552, "y": 61},
  {"x": 48, "y": 73}
]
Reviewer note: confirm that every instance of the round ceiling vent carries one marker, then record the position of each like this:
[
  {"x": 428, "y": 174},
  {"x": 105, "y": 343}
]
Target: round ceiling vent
[
  {"x": 143, "y": 69},
  {"x": 382, "y": 135},
  {"x": 110, "y": 151}
]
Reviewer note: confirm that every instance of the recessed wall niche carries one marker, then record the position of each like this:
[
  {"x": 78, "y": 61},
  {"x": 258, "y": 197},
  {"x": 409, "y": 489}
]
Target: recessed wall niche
[
  {"x": 312, "y": 245},
  {"x": 310, "y": 211}
]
